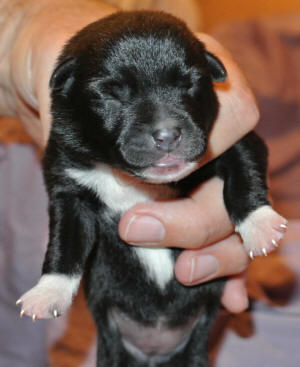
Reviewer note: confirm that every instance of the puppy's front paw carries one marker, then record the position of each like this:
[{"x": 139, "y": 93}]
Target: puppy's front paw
[
  {"x": 261, "y": 231},
  {"x": 51, "y": 297}
]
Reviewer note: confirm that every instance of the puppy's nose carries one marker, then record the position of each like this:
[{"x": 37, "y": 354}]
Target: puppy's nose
[{"x": 167, "y": 139}]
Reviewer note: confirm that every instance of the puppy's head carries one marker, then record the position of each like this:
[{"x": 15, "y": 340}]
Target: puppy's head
[{"x": 135, "y": 91}]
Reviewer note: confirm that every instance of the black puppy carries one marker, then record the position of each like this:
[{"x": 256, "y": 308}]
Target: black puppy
[{"x": 132, "y": 107}]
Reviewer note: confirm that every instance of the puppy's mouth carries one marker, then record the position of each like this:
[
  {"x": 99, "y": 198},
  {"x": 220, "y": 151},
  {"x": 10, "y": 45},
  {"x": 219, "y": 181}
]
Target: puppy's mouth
[
  {"x": 169, "y": 164},
  {"x": 169, "y": 169}
]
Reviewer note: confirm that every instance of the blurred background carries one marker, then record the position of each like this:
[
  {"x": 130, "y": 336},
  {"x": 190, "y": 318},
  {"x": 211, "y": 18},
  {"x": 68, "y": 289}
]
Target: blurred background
[
  {"x": 216, "y": 12},
  {"x": 207, "y": 14}
]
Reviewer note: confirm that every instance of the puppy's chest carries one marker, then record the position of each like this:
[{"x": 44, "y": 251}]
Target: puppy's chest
[{"x": 119, "y": 193}]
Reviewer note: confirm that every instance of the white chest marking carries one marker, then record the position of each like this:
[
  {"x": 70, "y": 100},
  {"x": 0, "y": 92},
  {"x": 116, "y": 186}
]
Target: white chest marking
[{"x": 120, "y": 193}]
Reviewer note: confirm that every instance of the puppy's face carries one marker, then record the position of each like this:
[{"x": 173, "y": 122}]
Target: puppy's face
[{"x": 136, "y": 92}]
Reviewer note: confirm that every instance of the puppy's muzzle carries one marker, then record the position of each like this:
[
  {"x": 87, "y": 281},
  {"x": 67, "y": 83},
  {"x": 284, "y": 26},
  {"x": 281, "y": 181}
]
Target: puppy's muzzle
[{"x": 167, "y": 139}]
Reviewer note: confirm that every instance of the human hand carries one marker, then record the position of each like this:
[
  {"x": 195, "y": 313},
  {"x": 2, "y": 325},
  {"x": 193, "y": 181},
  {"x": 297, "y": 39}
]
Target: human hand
[
  {"x": 200, "y": 223},
  {"x": 32, "y": 35}
]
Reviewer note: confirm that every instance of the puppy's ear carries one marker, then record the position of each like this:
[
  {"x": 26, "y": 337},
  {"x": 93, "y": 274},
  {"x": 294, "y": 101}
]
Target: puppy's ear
[
  {"x": 63, "y": 76},
  {"x": 216, "y": 68}
]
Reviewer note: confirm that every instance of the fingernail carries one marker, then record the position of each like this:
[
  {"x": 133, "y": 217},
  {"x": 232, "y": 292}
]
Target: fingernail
[
  {"x": 203, "y": 267},
  {"x": 144, "y": 230}
]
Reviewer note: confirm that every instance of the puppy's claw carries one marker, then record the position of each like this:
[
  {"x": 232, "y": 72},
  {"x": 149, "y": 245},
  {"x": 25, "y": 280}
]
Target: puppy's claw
[
  {"x": 274, "y": 243},
  {"x": 22, "y": 313},
  {"x": 34, "y": 317},
  {"x": 18, "y": 301},
  {"x": 284, "y": 226},
  {"x": 264, "y": 251},
  {"x": 251, "y": 254},
  {"x": 55, "y": 314}
]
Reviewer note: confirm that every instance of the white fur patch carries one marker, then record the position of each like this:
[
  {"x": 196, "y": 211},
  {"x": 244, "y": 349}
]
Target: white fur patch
[
  {"x": 262, "y": 230},
  {"x": 51, "y": 297},
  {"x": 120, "y": 192},
  {"x": 158, "y": 262}
]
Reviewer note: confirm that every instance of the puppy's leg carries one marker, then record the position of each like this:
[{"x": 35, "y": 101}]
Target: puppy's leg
[
  {"x": 243, "y": 169},
  {"x": 262, "y": 230},
  {"x": 72, "y": 234},
  {"x": 195, "y": 354}
]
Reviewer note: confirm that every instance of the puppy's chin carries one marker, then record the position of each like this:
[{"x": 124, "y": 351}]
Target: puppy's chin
[{"x": 165, "y": 172}]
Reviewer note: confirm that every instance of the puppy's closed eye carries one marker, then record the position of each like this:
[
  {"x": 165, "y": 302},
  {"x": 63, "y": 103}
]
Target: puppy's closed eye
[
  {"x": 110, "y": 90},
  {"x": 119, "y": 91},
  {"x": 177, "y": 79}
]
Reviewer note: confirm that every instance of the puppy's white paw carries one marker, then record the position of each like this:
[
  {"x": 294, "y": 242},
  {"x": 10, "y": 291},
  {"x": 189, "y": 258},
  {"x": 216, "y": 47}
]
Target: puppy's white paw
[
  {"x": 51, "y": 297},
  {"x": 261, "y": 231}
]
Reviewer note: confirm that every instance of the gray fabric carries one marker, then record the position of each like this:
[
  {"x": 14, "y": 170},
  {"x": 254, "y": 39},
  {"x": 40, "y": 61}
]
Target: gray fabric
[{"x": 23, "y": 225}]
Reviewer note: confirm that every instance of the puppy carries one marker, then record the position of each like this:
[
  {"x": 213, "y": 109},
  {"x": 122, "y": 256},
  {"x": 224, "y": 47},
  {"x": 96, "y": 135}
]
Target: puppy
[{"x": 132, "y": 107}]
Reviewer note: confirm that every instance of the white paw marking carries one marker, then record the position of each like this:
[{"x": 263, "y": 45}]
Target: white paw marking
[
  {"x": 261, "y": 231},
  {"x": 50, "y": 298}
]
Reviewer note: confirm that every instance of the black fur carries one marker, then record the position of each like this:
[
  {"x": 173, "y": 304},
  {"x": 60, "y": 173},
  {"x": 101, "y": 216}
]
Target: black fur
[{"x": 114, "y": 81}]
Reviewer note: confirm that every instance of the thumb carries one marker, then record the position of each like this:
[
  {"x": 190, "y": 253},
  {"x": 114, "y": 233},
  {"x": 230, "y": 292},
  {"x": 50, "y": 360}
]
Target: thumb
[{"x": 185, "y": 223}]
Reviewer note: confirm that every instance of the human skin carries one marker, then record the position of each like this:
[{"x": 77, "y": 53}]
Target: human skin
[{"x": 32, "y": 34}]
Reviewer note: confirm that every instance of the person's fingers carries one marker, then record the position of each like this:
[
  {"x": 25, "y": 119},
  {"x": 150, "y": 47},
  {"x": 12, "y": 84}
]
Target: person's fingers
[
  {"x": 235, "y": 298},
  {"x": 187, "y": 223},
  {"x": 32, "y": 52},
  {"x": 238, "y": 112},
  {"x": 224, "y": 258}
]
